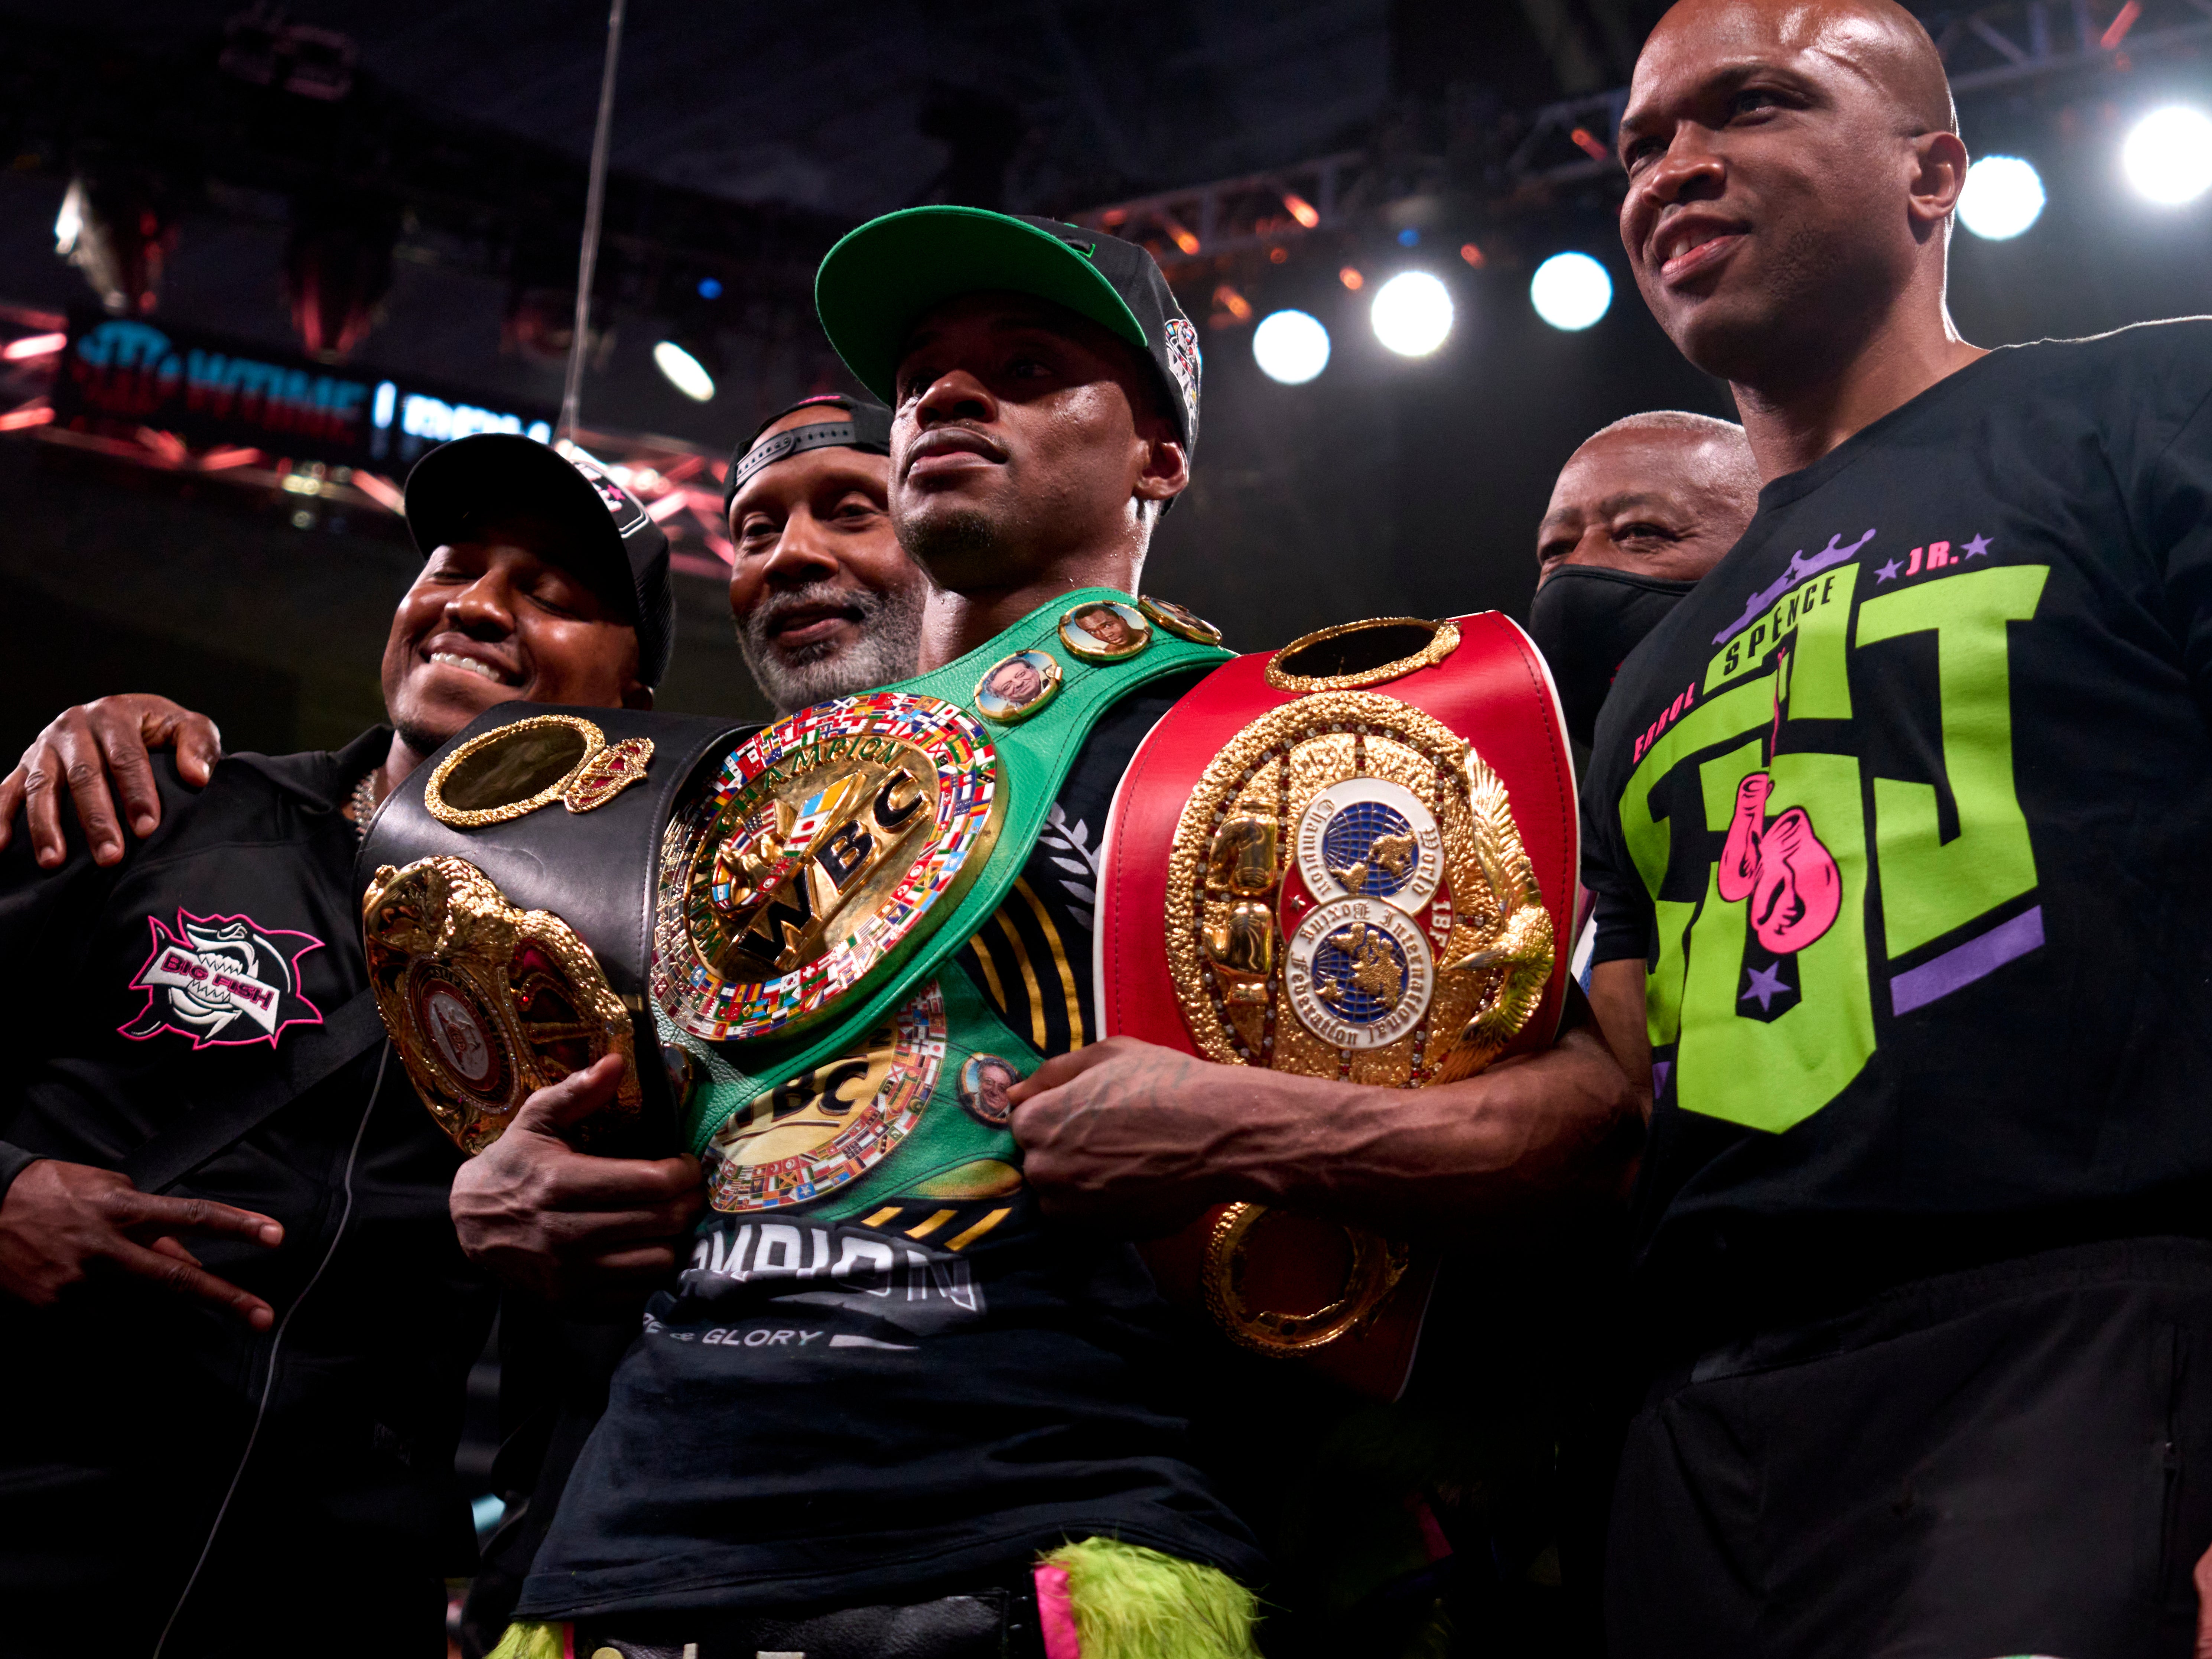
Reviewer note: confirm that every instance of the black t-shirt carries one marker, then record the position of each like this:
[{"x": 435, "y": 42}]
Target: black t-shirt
[
  {"x": 1905, "y": 807},
  {"x": 884, "y": 1404}
]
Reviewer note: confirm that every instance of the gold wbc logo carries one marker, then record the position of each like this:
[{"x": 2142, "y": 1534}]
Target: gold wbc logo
[{"x": 776, "y": 892}]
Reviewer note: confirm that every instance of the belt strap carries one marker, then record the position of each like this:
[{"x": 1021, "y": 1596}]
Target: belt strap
[{"x": 211, "y": 1126}]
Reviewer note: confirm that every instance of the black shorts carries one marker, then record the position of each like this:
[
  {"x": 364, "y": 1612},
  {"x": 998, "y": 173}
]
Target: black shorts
[{"x": 2013, "y": 1460}]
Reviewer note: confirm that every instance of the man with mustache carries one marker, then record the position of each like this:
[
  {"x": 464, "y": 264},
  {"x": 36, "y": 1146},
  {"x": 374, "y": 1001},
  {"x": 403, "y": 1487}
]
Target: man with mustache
[
  {"x": 825, "y": 600},
  {"x": 1901, "y": 811},
  {"x": 236, "y": 1318}
]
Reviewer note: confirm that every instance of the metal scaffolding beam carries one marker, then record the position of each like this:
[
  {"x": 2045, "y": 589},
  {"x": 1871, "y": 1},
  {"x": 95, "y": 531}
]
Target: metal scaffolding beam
[{"x": 1571, "y": 142}]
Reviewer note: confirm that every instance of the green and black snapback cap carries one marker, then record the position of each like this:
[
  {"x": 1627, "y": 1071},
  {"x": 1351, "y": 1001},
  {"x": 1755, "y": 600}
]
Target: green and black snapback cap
[{"x": 882, "y": 279}]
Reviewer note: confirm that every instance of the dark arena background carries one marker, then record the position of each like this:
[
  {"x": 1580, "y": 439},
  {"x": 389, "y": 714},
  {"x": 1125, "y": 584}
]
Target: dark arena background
[
  {"x": 398, "y": 189},
  {"x": 357, "y": 220}
]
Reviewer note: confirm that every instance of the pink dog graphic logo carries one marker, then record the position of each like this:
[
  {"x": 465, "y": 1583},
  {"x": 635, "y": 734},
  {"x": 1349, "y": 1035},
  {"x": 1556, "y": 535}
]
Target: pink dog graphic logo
[{"x": 224, "y": 980}]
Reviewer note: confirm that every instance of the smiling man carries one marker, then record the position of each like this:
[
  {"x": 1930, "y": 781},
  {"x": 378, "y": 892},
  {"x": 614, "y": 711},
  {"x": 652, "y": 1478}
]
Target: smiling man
[
  {"x": 1901, "y": 814},
  {"x": 826, "y": 601},
  {"x": 236, "y": 1317}
]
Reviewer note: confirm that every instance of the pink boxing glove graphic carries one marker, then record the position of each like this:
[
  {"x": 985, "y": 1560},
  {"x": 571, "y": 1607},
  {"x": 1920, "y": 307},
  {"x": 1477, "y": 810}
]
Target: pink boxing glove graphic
[{"x": 1782, "y": 867}]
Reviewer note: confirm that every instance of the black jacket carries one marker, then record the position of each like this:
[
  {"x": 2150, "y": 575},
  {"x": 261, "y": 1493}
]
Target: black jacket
[{"x": 133, "y": 992}]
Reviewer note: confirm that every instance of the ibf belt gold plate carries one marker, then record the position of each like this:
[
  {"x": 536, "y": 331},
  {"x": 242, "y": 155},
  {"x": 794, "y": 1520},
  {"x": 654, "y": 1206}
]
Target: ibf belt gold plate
[
  {"x": 485, "y": 1002},
  {"x": 831, "y": 844},
  {"x": 1348, "y": 896}
]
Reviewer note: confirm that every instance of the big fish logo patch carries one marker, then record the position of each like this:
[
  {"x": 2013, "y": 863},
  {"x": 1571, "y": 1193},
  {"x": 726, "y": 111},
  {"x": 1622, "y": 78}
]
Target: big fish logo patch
[{"x": 222, "y": 980}]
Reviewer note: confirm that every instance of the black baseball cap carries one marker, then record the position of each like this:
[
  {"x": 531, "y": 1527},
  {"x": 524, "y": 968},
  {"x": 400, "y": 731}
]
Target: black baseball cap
[
  {"x": 847, "y": 423},
  {"x": 471, "y": 481},
  {"x": 880, "y": 281}
]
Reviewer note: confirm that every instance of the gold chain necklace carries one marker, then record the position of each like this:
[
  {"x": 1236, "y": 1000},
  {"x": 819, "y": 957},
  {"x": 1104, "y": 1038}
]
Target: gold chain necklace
[{"x": 364, "y": 802}]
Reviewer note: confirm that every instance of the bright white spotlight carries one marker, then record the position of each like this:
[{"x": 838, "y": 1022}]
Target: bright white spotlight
[
  {"x": 1413, "y": 313},
  {"x": 1571, "y": 291},
  {"x": 684, "y": 371},
  {"x": 2168, "y": 156},
  {"x": 1291, "y": 347},
  {"x": 2002, "y": 198}
]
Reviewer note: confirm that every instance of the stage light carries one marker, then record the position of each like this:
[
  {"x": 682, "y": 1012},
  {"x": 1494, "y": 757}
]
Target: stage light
[
  {"x": 2002, "y": 198},
  {"x": 1351, "y": 278},
  {"x": 1409, "y": 237},
  {"x": 338, "y": 269},
  {"x": 1291, "y": 347},
  {"x": 684, "y": 371},
  {"x": 1571, "y": 291},
  {"x": 1590, "y": 144},
  {"x": 710, "y": 288},
  {"x": 2168, "y": 156},
  {"x": 111, "y": 228},
  {"x": 1413, "y": 313},
  {"x": 1301, "y": 209},
  {"x": 32, "y": 345}
]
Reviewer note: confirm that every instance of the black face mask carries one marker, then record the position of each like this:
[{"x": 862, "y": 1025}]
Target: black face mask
[{"x": 1586, "y": 621}]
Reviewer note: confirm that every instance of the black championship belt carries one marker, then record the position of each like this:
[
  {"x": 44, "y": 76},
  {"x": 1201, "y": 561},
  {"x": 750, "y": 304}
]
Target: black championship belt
[{"x": 509, "y": 891}]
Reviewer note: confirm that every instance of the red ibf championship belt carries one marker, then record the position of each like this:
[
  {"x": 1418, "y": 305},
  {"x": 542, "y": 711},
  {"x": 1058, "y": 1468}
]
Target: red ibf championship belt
[{"x": 1356, "y": 858}]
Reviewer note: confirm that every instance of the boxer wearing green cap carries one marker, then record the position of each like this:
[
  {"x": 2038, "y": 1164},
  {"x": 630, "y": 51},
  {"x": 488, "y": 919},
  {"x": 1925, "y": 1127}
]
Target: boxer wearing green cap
[
  {"x": 889, "y": 1393},
  {"x": 908, "y": 1402}
]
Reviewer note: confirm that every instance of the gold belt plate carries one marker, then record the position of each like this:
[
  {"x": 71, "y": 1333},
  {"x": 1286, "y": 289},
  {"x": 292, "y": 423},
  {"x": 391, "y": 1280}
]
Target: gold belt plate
[
  {"x": 1348, "y": 896},
  {"x": 486, "y": 1002},
  {"x": 831, "y": 843},
  {"x": 514, "y": 769}
]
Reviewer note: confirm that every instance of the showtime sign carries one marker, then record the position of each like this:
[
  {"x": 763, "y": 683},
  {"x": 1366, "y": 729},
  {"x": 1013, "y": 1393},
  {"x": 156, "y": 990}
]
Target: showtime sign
[{"x": 210, "y": 390}]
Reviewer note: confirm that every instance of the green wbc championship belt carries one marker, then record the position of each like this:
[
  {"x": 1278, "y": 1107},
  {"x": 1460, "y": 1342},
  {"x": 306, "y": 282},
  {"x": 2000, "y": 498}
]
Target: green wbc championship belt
[{"x": 843, "y": 853}]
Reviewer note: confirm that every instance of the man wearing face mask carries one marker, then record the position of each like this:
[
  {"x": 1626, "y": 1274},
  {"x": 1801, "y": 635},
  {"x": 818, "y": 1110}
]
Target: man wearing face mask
[{"x": 1642, "y": 511}]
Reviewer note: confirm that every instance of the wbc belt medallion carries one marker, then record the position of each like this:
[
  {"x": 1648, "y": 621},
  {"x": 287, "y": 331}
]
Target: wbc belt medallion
[{"x": 830, "y": 845}]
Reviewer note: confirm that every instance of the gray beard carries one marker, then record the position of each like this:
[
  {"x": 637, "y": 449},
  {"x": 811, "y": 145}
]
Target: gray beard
[{"x": 887, "y": 649}]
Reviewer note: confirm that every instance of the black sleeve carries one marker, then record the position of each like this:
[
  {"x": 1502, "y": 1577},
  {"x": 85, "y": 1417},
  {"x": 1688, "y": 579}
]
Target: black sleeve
[
  {"x": 2174, "y": 504},
  {"x": 47, "y": 920},
  {"x": 12, "y": 1162},
  {"x": 1622, "y": 907}
]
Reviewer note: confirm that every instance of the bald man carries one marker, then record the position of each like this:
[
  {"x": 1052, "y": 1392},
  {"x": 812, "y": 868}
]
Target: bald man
[
  {"x": 1901, "y": 813},
  {"x": 1640, "y": 512}
]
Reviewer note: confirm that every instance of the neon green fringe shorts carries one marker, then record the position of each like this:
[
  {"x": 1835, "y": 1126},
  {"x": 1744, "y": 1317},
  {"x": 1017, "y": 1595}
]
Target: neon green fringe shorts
[{"x": 1098, "y": 1599}]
